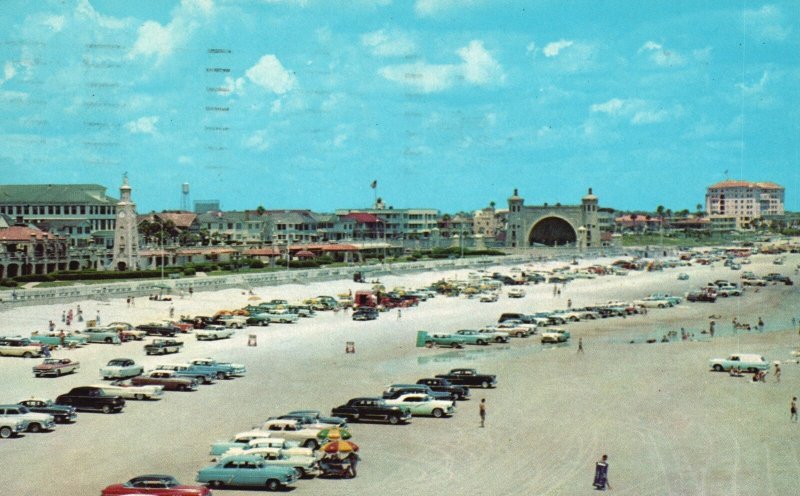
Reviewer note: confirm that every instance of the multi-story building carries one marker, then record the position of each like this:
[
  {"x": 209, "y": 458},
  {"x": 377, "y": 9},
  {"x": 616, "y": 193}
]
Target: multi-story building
[
  {"x": 485, "y": 222},
  {"x": 234, "y": 227},
  {"x": 82, "y": 212},
  {"x": 400, "y": 223},
  {"x": 734, "y": 204}
]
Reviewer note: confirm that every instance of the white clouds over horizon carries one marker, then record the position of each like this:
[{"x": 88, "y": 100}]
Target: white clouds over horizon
[
  {"x": 661, "y": 56},
  {"x": 153, "y": 39},
  {"x": 637, "y": 111},
  {"x": 766, "y": 23},
  {"x": 270, "y": 74},
  {"x": 143, "y": 125},
  {"x": 477, "y": 68},
  {"x": 385, "y": 44},
  {"x": 430, "y": 8},
  {"x": 553, "y": 48}
]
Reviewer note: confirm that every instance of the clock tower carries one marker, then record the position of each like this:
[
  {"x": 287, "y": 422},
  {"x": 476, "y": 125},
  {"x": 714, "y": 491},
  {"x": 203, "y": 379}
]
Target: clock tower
[{"x": 126, "y": 233}]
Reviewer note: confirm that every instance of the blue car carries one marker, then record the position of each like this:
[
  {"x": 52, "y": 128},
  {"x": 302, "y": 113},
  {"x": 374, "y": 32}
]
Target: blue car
[{"x": 250, "y": 471}]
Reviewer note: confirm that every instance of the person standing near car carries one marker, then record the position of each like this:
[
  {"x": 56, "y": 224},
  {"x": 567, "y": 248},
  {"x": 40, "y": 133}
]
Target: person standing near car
[{"x": 482, "y": 411}]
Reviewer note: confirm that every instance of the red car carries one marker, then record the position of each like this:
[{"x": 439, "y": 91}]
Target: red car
[{"x": 160, "y": 485}]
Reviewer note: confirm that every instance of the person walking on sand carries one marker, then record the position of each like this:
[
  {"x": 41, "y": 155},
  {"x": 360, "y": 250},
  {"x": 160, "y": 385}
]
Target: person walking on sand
[
  {"x": 711, "y": 326},
  {"x": 601, "y": 474},
  {"x": 569, "y": 303},
  {"x": 580, "y": 345},
  {"x": 97, "y": 320},
  {"x": 760, "y": 325},
  {"x": 777, "y": 372},
  {"x": 793, "y": 409},
  {"x": 482, "y": 411},
  {"x": 399, "y": 314},
  {"x": 171, "y": 310}
]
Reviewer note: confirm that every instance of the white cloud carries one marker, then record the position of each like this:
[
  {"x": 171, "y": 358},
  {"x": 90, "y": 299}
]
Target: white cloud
[
  {"x": 766, "y": 23},
  {"x": 661, "y": 56},
  {"x": 388, "y": 45},
  {"x": 333, "y": 101},
  {"x": 430, "y": 8},
  {"x": 300, "y": 3},
  {"x": 649, "y": 116},
  {"x": 612, "y": 106},
  {"x": 143, "y": 125},
  {"x": 185, "y": 160},
  {"x": 270, "y": 74},
  {"x": 531, "y": 48},
  {"x": 55, "y": 23},
  {"x": 637, "y": 111},
  {"x": 257, "y": 141},
  {"x": 477, "y": 67},
  {"x": 339, "y": 140},
  {"x": 755, "y": 88},
  {"x": 153, "y": 39},
  {"x": 234, "y": 86},
  {"x": 85, "y": 10},
  {"x": 9, "y": 71},
  {"x": 276, "y": 107},
  {"x": 552, "y": 49}
]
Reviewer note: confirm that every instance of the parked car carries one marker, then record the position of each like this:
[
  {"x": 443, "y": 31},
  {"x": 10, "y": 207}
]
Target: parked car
[
  {"x": 128, "y": 390},
  {"x": 33, "y": 421},
  {"x": 231, "y": 321},
  {"x": 365, "y": 313},
  {"x": 727, "y": 291},
  {"x": 292, "y": 430},
  {"x": 514, "y": 328},
  {"x": 489, "y": 298},
  {"x": 683, "y": 276},
  {"x": 53, "y": 339},
  {"x": 555, "y": 335},
  {"x": 121, "y": 368},
  {"x": 754, "y": 282},
  {"x": 258, "y": 319},
  {"x": 281, "y": 316},
  {"x": 304, "y": 465},
  {"x": 213, "y": 331},
  {"x": 444, "y": 386},
  {"x": 745, "y": 362},
  {"x": 170, "y": 380},
  {"x": 240, "y": 440},
  {"x": 188, "y": 370},
  {"x": 375, "y": 409},
  {"x": 102, "y": 335},
  {"x": 516, "y": 293},
  {"x": 284, "y": 445},
  {"x": 701, "y": 295},
  {"x": 62, "y": 414},
  {"x": 163, "y": 346},
  {"x": 422, "y": 404},
  {"x": 11, "y": 427},
  {"x": 250, "y": 471},
  {"x": 483, "y": 337},
  {"x": 156, "y": 485},
  {"x": 20, "y": 347},
  {"x": 396, "y": 390},
  {"x": 222, "y": 370},
  {"x": 128, "y": 331},
  {"x": 650, "y": 302},
  {"x": 317, "y": 416},
  {"x": 91, "y": 398},
  {"x": 55, "y": 367},
  {"x": 469, "y": 377},
  {"x": 159, "y": 329}
]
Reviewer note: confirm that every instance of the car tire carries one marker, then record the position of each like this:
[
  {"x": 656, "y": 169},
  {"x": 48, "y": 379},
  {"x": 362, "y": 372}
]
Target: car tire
[
  {"x": 482, "y": 342},
  {"x": 181, "y": 387},
  {"x": 301, "y": 472},
  {"x": 27, "y": 354},
  {"x": 34, "y": 427},
  {"x": 485, "y": 385},
  {"x": 429, "y": 344},
  {"x": 264, "y": 323},
  {"x": 437, "y": 413},
  {"x": 6, "y": 432},
  {"x": 273, "y": 485},
  {"x": 108, "y": 340},
  {"x": 107, "y": 409},
  {"x": 215, "y": 483},
  {"x": 717, "y": 368},
  {"x": 138, "y": 396},
  {"x": 58, "y": 373},
  {"x": 394, "y": 420},
  {"x": 220, "y": 375},
  {"x": 661, "y": 305},
  {"x": 311, "y": 444}
]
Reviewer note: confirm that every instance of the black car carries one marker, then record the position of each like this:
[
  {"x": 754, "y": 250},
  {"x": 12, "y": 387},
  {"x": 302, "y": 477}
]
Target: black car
[
  {"x": 444, "y": 386},
  {"x": 775, "y": 277},
  {"x": 91, "y": 398},
  {"x": 470, "y": 378},
  {"x": 701, "y": 296},
  {"x": 365, "y": 313},
  {"x": 159, "y": 330},
  {"x": 376, "y": 409},
  {"x": 535, "y": 278},
  {"x": 62, "y": 414}
]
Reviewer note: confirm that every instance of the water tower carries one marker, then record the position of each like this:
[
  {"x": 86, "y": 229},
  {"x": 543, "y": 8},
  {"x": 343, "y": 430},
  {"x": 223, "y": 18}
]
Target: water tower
[{"x": 185, "y": 197}]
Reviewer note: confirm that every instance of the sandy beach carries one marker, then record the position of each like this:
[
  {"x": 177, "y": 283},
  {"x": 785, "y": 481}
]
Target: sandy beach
[{"x": 668, "y": 425}]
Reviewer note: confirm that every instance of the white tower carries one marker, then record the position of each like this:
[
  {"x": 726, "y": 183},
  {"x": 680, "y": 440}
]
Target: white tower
[{"x": 126, "y": 233}]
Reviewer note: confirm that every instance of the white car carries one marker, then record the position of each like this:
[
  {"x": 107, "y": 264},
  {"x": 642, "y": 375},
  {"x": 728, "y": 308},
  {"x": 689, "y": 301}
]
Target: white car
[
  {"x": 651, "y": 302},
  {"x": 489, "y": 298},
  {"x": 422, "y": 404},
  {"x": 305, "y": 465},
  {"x": 513, "y": 328},
  {"x": 233, "y": 321},
  {"x": 267, "y": 442},
  {"x": 121, "y": 368},
  {"x": 516, "y": 293},
  {"x": 291, "y": 430},
  {"x": 130, "y": 392},
  {"x": 10, "y": 427},
  {"x": 32, "y": 422},
  {"x": 213, "y": 332},
  {"x": 555, "y": 335}
]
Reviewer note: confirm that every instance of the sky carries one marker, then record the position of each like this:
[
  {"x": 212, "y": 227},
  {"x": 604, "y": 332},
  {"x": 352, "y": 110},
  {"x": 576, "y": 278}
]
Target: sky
[{"x": 447, "y": 104}]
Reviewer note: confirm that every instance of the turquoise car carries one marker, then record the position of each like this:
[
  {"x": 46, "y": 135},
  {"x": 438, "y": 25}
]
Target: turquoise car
[
  {"x": 53, "y": 339},
  {"x": 101, "y": 335},
  {"x": 475, "y": 337},
  {"x": 443, "y": 339},
  {"x": 247, "y": 471}
]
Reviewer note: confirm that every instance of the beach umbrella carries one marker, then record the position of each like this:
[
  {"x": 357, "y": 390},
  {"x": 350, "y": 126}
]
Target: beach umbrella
[
  {"x": 339, "y": 447},
  {"x": 334, "y": 434}
]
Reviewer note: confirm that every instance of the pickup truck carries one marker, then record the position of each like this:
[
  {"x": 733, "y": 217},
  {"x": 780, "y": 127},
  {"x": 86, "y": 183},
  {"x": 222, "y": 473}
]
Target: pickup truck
[
  {"x": 91, "y": 398},
  {"x": 469, "y": 378},
  {"x": 55, "y": 367},
  {"x": 163, "y": 346}
]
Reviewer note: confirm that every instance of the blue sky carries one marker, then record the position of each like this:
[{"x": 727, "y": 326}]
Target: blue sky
[{"x": 449, "y": 104}]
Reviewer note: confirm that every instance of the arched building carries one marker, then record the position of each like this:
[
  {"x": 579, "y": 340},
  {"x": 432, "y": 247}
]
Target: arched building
[{"x": 553, "y": 225}]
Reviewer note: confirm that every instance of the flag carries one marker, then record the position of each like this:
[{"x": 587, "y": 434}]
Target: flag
[{"x": 374, "y": 184}]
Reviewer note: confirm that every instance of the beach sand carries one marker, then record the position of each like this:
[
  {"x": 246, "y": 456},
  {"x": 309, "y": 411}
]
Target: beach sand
[{"x": 668, "y": 425}]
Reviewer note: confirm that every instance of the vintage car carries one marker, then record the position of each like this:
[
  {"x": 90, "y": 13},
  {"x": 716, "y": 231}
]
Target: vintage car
[
  {"x": 159, "y": 329},
  {"x": 166, "y": 378},
  {"x": 292, "y": 430},
  {"x": 475, "y": 337},
  {"x": 316, "y": 416},
  {"x": 701, "y": 295},
  {"x": 222, "y": 370},
  {"x": 33, "y": 421},
  {"x": 443, "y": 339},
  {"x": 469, "y": 377},
  {"x": 163, "y": 346},
  {"x": 393, "y": 391},
  {"x": 555, "y": 335},
  {"x": 281, "y": 316},
  {"x": 19, "y": 346},
  {"x": 156, "y": 485},
  {"x": 258, "y": 318},
  {"x": 52, "y": 339},
  {"x": 249, "y": 471},
  {"x": 727, "y": 291},
  {"x": 365, "y": 313},
  {"x": 91, "y": 398},
  {"x": 10, "y": 427},
  {"x": 683, "y": 276},
  {"x": 372, "y": 409},
  {"x": 231, "y": 321},
  {"x": 61, "y": 414},
  {"x": 240, "y": 440},
  {"x": 422, "y": 404},
  {"x": 264, "y": 442},
  {"x": 102, "y": 335},
  {"x": 440, "y": 385},
  {"x": 674, "y": 300},
  {"x": 516, "y": 293},
  {"x": 514, "y": 328},
  {"x": 121, "y": 368},
  {"x": 305, "y": 465},
  {"x": 744, "y": 362},
  {"x": 304, "y": 311},
  {"x": 184, "y": 327},
  {"x": 754, "y": 282},
  {"x": 55, "y": 367},
  {"x": 489, "y": 298},
  {"x": 126, "y": 389},
  {"x": 128, "y": 331},
  {"x": 774, "y": 277},
  {"x": 652, "y": 302},
  {"x": 213, "y": 331},
  {"x": 188, "y": 370}
]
